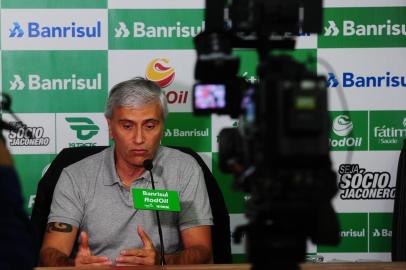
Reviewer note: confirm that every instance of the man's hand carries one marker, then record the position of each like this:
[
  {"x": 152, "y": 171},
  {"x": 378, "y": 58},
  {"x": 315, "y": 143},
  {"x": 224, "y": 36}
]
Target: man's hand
[
  {"x": 145, "y": 256},
  {"x": 85, "y": 256}
]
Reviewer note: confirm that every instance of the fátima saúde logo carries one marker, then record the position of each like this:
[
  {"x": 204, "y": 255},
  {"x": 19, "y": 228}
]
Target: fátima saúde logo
[
  {"x": 84, "y": 127},
  {"x": 38, "y": 30},
  {"x": 387, "y": 130},
  {"x": 356, "y": 183},
  {"x": 159, "y": 71},
  {"x": 363, "y": 27},
  {"x": 349, "y": 131}
]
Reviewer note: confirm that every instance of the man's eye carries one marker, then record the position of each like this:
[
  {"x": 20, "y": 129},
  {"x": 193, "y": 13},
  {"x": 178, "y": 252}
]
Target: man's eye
[
  {"x": 150, "y": 126},
  {"x": 127, "y": 126}
]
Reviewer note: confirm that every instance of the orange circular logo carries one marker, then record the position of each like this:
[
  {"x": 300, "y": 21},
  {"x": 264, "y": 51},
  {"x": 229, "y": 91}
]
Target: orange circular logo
[{"x": 160, "y": 72}]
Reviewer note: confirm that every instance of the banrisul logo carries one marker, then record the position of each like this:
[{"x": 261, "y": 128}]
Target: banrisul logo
[
  {"x": 184, "y": 129},
  {"x": 350, "y": 79},
  {"x": 160, "y": 71},
  {"x": 387, "y": 130},
  {"x": 364, "y": 27},
  {"x": 34, "y": 80},
  {"x": 154, "y": 28},
  {"x": 16, "y": 30},
  {"x": 84, "y": 127},
  {"x": 40, "y": 82},
  {"x": 349, "y": 131},
  {"x": 356, "y": 183},
  {"x": 39, "y": 30}
]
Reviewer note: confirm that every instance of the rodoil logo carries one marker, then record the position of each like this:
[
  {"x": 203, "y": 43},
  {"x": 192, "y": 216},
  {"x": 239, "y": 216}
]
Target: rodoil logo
[
  {"x": 356, "y": 183},
  {"x": 38, "y": 30},
  {"x": 349, "y": 131},
  {"x": 160, "y": 71}
]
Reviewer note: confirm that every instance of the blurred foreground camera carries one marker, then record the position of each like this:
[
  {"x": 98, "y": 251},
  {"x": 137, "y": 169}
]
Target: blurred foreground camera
[{"x": 279, "y": 153}]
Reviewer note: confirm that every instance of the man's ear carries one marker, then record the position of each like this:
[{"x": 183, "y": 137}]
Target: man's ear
[{"x": 109, "y": 124}]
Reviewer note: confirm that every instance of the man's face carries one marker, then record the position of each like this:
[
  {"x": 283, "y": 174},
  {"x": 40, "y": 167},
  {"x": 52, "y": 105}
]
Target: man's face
[{"x": 137, "y": 132}]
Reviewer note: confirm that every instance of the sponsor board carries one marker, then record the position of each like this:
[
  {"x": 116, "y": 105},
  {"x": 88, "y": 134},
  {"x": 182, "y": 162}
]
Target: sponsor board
[
  {"x": 157, "y": 4},
  {"x": 172, "y": 70},
  {"x": 365, "y": 180},
  {"x": 38, "y": 29},
  {"x": 29, "y": 168},
  {"x": 357, "y": 183},
  {"x": 363, "y": 232},
  {"x": 34, "y": 133},
  {"x": 353, "y": 234},
  {"x": 353, "y": 80},
  {"x": 235, "y": 200},
  {"x": 154, "y": 29},
  {"x": 368, "y": 79},
  {"x": 185, "y": 129},
  {"x": 218, "y": 123},
  {"x": 235, "y": 221},
  {"x": 349, "y": 131},
  {"x": 53, "y": 4},
  {"x": 81, "y": 129},
  {"x": 387, "y": 130},
  {"x": 363, "y": 27},
  {"x": 37, "y": 86}
]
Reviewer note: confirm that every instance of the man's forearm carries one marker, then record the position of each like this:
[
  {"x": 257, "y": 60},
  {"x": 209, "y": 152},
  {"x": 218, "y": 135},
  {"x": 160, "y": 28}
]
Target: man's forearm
[
  {"x": 193, "y": 255},
  {"x": 54, "y": 257}
]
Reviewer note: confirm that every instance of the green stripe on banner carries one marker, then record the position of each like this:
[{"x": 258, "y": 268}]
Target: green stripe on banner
[
  {"x": 56, "y": 81},
  {"x": 30, "y": 169},
  {"x": 54, "y": 4},
  {"x": 353, "y": 232},
  {"x": 154, "y": 28},
  {"x": 234, "y": 199},
  {"x": 239, "y": 258},
  {"x": 249, "y": 61},
  {"x": 185, "y": 129},
  {"x": 364, "y": 27}
]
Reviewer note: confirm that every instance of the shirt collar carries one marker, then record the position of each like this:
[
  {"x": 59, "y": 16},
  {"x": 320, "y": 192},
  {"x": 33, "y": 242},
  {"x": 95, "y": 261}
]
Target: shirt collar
[{"x": 110, "y": 173}]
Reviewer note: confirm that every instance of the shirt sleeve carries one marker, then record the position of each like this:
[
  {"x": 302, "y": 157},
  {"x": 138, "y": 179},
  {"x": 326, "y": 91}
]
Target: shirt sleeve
[
  {"x": 194, "y": 200},
  {"x": 67, "y": 202}
]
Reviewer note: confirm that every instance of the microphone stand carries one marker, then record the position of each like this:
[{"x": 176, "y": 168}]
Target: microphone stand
[{"x": 148, "y": 166}]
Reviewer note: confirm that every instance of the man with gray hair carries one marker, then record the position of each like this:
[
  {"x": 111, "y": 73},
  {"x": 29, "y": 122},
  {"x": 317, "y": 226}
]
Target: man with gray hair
[{"x": 93, "y": 196}]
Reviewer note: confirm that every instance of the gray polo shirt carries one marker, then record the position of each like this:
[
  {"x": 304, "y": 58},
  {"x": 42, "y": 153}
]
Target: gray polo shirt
[{"x": 89, "y": 195}]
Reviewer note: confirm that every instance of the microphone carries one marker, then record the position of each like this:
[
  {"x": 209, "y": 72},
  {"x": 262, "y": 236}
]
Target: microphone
[{"x": 147, "y": 164}]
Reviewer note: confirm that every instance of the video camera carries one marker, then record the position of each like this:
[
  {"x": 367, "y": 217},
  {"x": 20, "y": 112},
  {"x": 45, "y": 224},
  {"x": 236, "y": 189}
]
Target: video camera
[{"x": 279, "y": 153}]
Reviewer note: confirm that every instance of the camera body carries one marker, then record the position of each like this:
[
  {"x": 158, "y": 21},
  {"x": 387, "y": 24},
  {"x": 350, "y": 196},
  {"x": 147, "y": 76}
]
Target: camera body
[{"x": 279, "y": 152}]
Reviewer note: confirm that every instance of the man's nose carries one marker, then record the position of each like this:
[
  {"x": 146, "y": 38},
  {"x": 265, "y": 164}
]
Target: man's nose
[{"x": 139, "y": 136}]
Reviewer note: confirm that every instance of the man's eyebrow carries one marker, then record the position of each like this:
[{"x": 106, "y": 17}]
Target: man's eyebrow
[{"x": 156, "y": 120}]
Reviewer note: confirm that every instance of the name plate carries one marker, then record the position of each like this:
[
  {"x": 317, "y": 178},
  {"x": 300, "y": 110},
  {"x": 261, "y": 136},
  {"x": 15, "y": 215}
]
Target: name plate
[{"x": 160, "y": 200}]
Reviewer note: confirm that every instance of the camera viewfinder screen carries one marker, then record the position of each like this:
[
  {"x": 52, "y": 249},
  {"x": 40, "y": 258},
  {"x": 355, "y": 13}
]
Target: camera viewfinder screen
[{"x": 210, "y": 96}]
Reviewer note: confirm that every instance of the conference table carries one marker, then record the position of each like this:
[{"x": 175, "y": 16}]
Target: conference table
[{"x": 304, "y": 266}]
